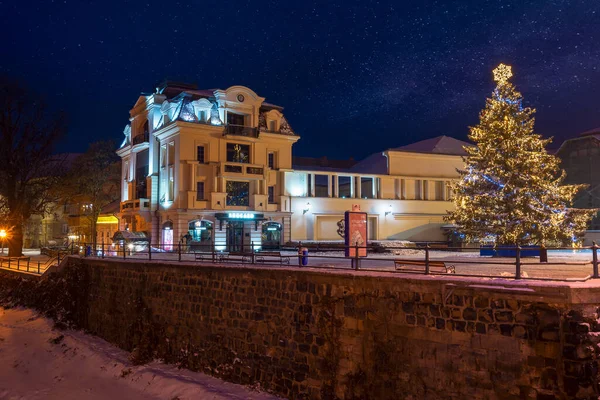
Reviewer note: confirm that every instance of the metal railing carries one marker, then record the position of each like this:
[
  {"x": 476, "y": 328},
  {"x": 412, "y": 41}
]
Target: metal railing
[{"x": 427, "y": 260}]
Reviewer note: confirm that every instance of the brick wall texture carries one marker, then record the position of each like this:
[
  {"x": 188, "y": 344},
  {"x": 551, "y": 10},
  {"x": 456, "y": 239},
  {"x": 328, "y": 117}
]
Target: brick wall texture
[{"x": 341, "y": 335}]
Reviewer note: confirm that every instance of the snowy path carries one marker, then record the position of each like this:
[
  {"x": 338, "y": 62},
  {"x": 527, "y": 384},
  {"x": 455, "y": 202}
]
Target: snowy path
[{"x": 78, "y": 366}]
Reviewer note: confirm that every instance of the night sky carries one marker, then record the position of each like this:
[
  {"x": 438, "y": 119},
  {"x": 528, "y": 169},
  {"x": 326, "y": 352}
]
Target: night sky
[{"x": 354, "y": 77}]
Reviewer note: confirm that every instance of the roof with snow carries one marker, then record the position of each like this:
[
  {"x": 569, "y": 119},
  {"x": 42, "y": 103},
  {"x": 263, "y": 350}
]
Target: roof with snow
[{"x": 437, "y": 145}]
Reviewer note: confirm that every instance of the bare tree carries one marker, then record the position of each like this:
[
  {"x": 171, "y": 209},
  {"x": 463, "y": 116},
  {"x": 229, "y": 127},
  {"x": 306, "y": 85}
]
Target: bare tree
[
  {"x": 93, "y": 182},
  {"x": 28, "y": 136}
]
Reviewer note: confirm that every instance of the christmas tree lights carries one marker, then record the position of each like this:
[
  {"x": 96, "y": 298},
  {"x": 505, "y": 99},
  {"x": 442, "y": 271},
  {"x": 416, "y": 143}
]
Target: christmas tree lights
[{"x": 511, "y": 189}]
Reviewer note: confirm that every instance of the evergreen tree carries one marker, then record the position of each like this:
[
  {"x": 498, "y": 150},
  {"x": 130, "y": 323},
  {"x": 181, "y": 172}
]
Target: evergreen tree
[{"x": 511, "y": 187}]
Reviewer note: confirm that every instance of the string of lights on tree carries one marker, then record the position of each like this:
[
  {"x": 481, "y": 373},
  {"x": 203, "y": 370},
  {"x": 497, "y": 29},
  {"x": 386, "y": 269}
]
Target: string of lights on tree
[{"x": 511, "y": 189}]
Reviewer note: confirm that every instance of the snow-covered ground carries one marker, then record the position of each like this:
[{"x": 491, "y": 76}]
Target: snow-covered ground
[{"x": 38, "y": 362}]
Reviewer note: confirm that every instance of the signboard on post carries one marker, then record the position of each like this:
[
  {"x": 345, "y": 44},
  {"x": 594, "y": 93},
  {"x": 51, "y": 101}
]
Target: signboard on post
[{"x": 356, "y": 233}]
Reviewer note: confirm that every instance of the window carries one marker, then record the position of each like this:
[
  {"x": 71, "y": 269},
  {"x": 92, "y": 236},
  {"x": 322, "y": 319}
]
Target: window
[
  {"x": 271, "y": 160},
  {"x": 238, "y": 193},
  {"x": 448, "y": 192},
  {"x": 239, "y": 153},
  {"x": 171, "y": 179},
  {"x": 171, "y": 155},
  {"x": 345, "y": 187},
  {"x": 321, "y": 184},
  {"x": 202, "y": 117},
  {"x": 271, "y": 193},
  {"x": 235, "y": 119},
  {"x": 272, "y": 126},
  {"x": 402, "y": 194},
  {"x": 199, "y": 191},
  {"x": 163, "y": 156},
  {"x": 439, "y": 190},
  {"x": 366, "y": 188},
  {"x": 200, "y": 154},
  {"x": 418, "y": 189}
]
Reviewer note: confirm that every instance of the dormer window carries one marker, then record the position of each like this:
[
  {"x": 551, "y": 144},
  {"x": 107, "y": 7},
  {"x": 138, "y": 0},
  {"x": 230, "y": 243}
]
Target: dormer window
[{"x": 272, "y": 126}]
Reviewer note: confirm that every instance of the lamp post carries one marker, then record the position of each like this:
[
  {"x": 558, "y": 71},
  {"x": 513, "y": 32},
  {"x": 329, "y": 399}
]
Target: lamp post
[{"x": 2, "y": 237}]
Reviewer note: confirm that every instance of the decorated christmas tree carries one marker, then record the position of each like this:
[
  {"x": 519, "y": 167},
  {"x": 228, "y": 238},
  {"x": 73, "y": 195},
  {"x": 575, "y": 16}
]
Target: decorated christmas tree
[{"x": 511, "y": 189}]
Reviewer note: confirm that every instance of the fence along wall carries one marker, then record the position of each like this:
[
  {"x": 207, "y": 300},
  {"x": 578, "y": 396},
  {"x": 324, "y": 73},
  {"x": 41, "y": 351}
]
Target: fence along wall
[{"x": 349, "y": 335}]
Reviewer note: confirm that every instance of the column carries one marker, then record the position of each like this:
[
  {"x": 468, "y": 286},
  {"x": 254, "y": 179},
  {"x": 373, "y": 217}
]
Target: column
[
  {"x": 329, "y": 191},
  {"x": 336, "y": 186},
  {"x": 358, "y": 187}
]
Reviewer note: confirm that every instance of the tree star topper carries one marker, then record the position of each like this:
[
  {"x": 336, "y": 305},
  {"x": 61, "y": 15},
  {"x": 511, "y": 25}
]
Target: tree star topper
[{"x": 502, "y": 73}]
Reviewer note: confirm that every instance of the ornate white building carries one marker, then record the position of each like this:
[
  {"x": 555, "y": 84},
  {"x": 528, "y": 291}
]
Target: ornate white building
[{"x": 215, "y": 167}]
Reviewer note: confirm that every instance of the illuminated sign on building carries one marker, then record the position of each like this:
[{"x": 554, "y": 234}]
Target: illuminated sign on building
[{"x": 240, "y": 215}]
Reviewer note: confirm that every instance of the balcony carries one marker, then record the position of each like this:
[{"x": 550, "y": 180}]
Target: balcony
[
  {"x": 141, "y": 138},
  {"x": 240, "y": 130},
  {"x": 135, "y": 205}
]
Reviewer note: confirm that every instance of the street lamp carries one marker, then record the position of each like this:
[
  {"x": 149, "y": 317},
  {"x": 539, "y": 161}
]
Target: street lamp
[{"x": 2, "y": 237}]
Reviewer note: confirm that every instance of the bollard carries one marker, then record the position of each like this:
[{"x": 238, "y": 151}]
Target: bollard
[
  {"x": 595, "y": 259},
  {"x": 149, "y": 252},
  {"x": 179, "y": 250},
  {"x": 518, "y": 263},
  {"x": 356, "y": 259},
  {"x": 426, "y": 258},
  {"x": 253, "y": 255},
  {"x": 299, "y": 254},
  {"x": 102, "y": 248}
]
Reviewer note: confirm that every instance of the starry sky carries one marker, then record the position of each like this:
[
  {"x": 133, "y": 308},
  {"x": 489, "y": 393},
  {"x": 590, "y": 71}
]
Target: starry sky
[{"x": 354, "y": 77}]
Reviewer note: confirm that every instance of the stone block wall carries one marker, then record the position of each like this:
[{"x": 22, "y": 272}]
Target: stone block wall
[{"x": 349, "y": 335}]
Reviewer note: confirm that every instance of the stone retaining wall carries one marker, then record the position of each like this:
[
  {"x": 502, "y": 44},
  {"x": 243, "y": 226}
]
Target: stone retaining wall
[{"x": 349, "y": 335}]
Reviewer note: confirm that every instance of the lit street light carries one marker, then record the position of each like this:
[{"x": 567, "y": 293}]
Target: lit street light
[{"x": 2, "y": 237}]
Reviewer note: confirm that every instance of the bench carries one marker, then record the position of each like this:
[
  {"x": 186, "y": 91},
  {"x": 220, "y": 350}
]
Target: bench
[
  {"x": 272, "y": 256},
  {"x": 207, "y": 256},
  {"x": 236, "y": 257},
  {"x": 419, "y": 266}
]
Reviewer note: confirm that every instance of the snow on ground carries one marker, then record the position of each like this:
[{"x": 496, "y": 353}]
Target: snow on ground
[{"x": 38, "y": 362}]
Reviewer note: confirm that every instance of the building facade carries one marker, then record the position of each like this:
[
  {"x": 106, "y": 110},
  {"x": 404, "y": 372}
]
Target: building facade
[
  {"x": 580, "y": 158},
  {"x": 213, "y": 168},
  {"x": 207, "y": 167},
  {"x": 404, "y": 192}
]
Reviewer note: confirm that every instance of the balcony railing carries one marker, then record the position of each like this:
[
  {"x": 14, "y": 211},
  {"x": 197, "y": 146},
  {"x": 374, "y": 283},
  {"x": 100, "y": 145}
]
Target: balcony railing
[
  {"x": 241, "y": 130},
  {"x": 141, "y": 138}
]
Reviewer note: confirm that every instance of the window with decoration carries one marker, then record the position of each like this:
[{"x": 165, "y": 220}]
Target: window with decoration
[
  {"x": 239, "y": 153},
  {"x": 238, "y": 193}
]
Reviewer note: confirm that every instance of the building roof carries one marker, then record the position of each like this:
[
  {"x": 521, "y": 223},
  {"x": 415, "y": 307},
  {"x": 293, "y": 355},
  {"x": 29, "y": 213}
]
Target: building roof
[
  {"x": 376, "y": 163},
  {"x": 594, "y": 132},
  {"x": 173, "y": 89},
  {"x": 437, "y": 145}
]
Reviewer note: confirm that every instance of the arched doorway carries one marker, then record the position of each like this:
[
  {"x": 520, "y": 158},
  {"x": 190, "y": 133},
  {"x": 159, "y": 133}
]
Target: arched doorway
[
  {"x": 200, "y": 235},
  {"x": 271, "y": 235},
  {"x": 167, "y": 236}
]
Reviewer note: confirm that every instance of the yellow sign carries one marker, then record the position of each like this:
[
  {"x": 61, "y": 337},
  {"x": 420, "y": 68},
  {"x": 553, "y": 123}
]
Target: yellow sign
[{"x": 108, "y": 220}]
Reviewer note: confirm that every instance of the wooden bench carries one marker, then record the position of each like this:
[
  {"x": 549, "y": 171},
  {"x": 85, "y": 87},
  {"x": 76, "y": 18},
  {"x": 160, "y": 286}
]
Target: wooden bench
[
  {"x": 272, "y": 256},
  {"x": 236, "y": 257},
  {"x": 419, "y": 266}
]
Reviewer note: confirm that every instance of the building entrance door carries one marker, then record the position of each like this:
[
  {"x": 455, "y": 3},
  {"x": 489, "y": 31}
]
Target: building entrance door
[{"x": 235, "y": 236}]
